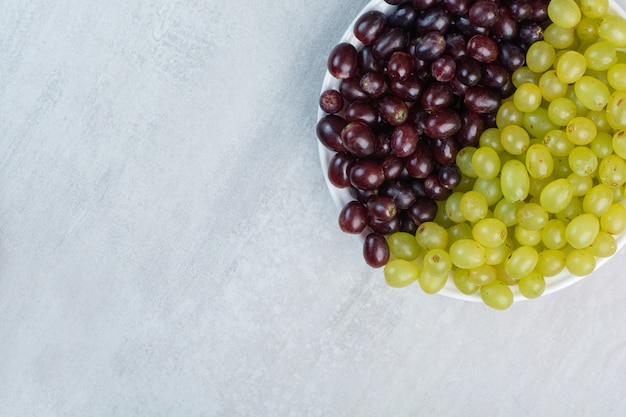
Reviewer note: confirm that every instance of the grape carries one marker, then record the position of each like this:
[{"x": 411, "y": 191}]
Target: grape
[
  {"x": 489, "y": 188},
  {"x": 587, "y": 29},
  {"x": 598, "y": 200},
  {"x": 462, "y": 283},
  {"x": 582, "y": 230},
  {"x": 561, "y": 110},
  {"x": 604, "y": 245},
  {"x": 551, "y": 87},
  {"x": 559, "y": 37},
  {"x": 437, "y": 262},
  {"x": 403, "y": 245},
  {"x": 358, "y": 139},
  {"x": 442, "y": 124},
  {"x": 374, "y": 84},
  {"x": 506, "y": 27},
  {"x": 420, "y": 164},
  {"x": 482, "y": 48},
  {"x": 527, "y": 237},
  {"x": 514, "y": 181},
  {"x": 582, "y": 161},
  {"x": 381, "y": 208},
  {"x": 370, "y": 26},
  {"x": 592, "y": 93},
  {"x": 486, "y": 163},
  {"x": 434, "y": 188},
  {"x": 527, "y": 97},
  {"x": 367, "y": 62},
  {"x": 600, "y": 56},
  {"x": 530, "y": 32},
  {"x": 484, "y": 13},
  {"x": 556, "y": 195},
  {"x": 521, "y": 262},
  {"x": 443, "y": 68},
  {"x": 616, "y": 76},
  {"x": 532, "y": 216},
  {"x": 329, "y": 130},
  {"x": 393, "y": 110},
  {"x": 564, "y": 13},
  {"x": 482, "y": 275},
  {"x": 392, "y": 167},
  {"x": 383, "y": 227},
  {"x": 431, "y": 284},
  {"x": 467, "y": 253},
  {"x": 339, "y": 169},
  {"x": 490, "y": 232},
  {"x": 550, "y": 262},
  {"x": 612, "y": 171},
  {"x": 401, "y": 193},
  {"x": 353, "y": 218},
  {"x": 594, "y": 8},
  {"x": 514, "y": 139},
  {"x": 558, "y": 144},
  {"x": 506, "y": 211},
  {"x": 449, "y": 176},
  {"x": 580, "y": 184},
  {"x": 472, "y": 126},
  {"x": 464, "y": 161},
  {"x": 497, "y": 295},
  {"x": 469, "y": 72},
  {"x": 616, "y": 110},
  {"x": 343, "y": 61},
  {"x": 403, "y": 17},
  {"x": 393, "y": 40},
  {"x": 524, "y": 75},
  {"x": 613, "y": 29},
  {"x": 520, "y": 9},
  {"x": 423, "y": 210},
  {"x": 435, "y": 19},
  {"x": 511, "y": 56},
  {"x": 430, "y": 46},
  {"x": 409, "y": 89},
  {"x": 614, "y": 219},
  {"x": 473, "y": 206},
  {"x": 571, "y": 66},
  {"x": 539, "y": 161},
  {"x": 436, "y": 96},
  {"x": 366, "y": 175},
  {"x": 580, "y": 262},
  {"x": 404, "y": 140},
  {"x": 494, "y": 75},
  {"x": 431, "y": 235},
  {"x": 423, "y": 4},
  {"x": 400, "y": 273},
  {"x": 359, "y": 111},
  {"x": 540, "y": 56},
  {"x": 482, "y": 100},
  {"x": 532, "y": 285}
]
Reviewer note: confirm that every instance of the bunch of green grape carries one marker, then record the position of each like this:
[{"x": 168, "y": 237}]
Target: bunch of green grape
[{"x": 543, "y": 191}]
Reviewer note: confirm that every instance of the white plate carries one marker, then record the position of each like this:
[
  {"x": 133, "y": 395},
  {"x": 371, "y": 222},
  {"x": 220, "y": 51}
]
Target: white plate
[{"x": 342, "y": 196}]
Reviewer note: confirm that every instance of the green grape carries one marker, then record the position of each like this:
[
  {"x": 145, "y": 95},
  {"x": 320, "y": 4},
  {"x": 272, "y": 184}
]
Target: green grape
[
  {"x": 551, "y": 87},
  {"x": 467, "y": 253},
  {"x": 602, "y": 145},
  {"x": 580, "y": 184},
  {"x": 561, "y": 110},
  {"x": 490, "y": 189},
  {"x": 532, "y": 285},
  {"x": 431, "y": 284},
  {"x": 453, "y": 207},
  {"x": 514, "y": 181},
  {"x": 403, "y": 245},
  {"x": 464, "y": 161},
  {"x": 482, "y": 275},
  {"x": 437, "y": 262},
  {"x": 431, "y": 235},
  {"x": 618, "y": 141},
  {"x": 441, "y": 217},
  {"x": 598, "y": 200},
  {"x": 580, "y": 262},
  {"x": 462, "y": 282},
  {"x": 550, "y": 262},
  {"x": 558, "y": 37},
  {"x": 490, "y": 138},
  {"x": 582, "y": 230},
  {"x": 486, "y": 161},
  {"x": 612, "y": 171},
  {"x": 460, "y": 231},
  {"x": 598, "y": 75},
  {"x": 594, "y": 8},
  {"x": 613, "y": 221},
  {"x": 571, "y": 66},
  {"x": 561, "y": 167},
  {"x": 556, "y": 195},
  {"x": 490, "y": 232},
  {"x": 506, "y": 211},
  {"x": 599, "y": 118},
  {"x": 592, "y": 93},
  {"x": 526, "y": 237},
  {"x": 600, "y": 56},
  {"x": 582, "y": 161},
  {"x": 581, "y": 131},
  {"x": 509, "y": 115},
  {"x": 604, "y": 245},
  {"x": 616, "y": 110},
  {"x": 527, "y": 97},
  {"x": 473, "y": 206},
  {"x": 400, "y": 273},
  {"x": 557, "y": 143},
  {"x": 587, "y": 29},
  {"x": 521, "y": 262},
  {"x": 613, "y": 30},
  {"x": 616, "y": 76},
  {"x": 497, "y": 295},
  {"x": 573, "y": 209},
  {"x": 581, "y": 110},
  {"x": 514, "y": 139},
  {"x": 539, "y": 161},
  {"x": 553, "y": 234},
  {"x": 532, "y": 216},
  {"x": 497, "y": 255},
  {"x": 540, "y": 56},
  {"x": 537, "y": 123},
  {"x": 564, "y": 13},
  {"x": 524, "y": 75},
  {"x": 537, "y": 185},
  {"x": 618, "y": 194}
]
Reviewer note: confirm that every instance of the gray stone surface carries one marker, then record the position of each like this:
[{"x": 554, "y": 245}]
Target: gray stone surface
[{"x": 168, "y": 246}]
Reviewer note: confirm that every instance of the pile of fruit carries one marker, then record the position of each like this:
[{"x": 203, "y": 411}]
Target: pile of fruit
[{"x": 482, "y": 141}]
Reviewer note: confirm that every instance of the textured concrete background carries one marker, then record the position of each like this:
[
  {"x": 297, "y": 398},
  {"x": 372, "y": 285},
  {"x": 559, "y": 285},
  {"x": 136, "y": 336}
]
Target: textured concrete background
[{"x": 168, "y": 246}]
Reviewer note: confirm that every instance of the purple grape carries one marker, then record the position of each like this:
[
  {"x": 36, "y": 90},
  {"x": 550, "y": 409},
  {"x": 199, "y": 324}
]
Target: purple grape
[
  {"x": 370, "y": 26},
  {"x": 383, "y": 145},
  {"x": 444, "y": 150},
  {"x": 403, "y": 17},
  {"x": 469, "y": 72},
  {"x": 353, "y": 218},
  {"x": 366, "y": 175},
  {"x": 456, "y": 7},
  {"x": 359, "y": 139},
  {"x": 383, "y": 227},
  {"x": 399, "y": 66},
  {"x": 339, "y": 169},
  {"x": 472, "y": 127},
  {"x": 482, "y": 100},
  {"x": 520, "y": 9},
  {"x": 400, "y": 192},
  {"x": 434, "y": 189},
  {"x": 374, "y": 84},
  {"x": 393, "y": 110},
  {"x": 375, "y": 250},
  {"x": 430, "y": 46},
  {"x": 393, "y": 40},
  {"x": 421, "y": 5},
  {"x": 436, "y": 96},
  {"x": 482, "y": 48},
  {"x": 540, "y": 10},
  {"x": 435, "y": 19},
  {"x": 343, "y": 61},
  {"x": 423, "y": 210},
  {"x": 351, "y": 90},
  {"x": 404, "y": 140},
  {"x": 381, "y": 208},
  {"x": 455, "y": 46},
  {"x": 449, "y": 176},
  {"x": 511, "y": 56},
  {"x": 409, "y": 89},
  {"x": 367, "y": 61},
  {"x": 329, "y": 130},
  {"x": 506, "y": 27},
  {"x": 331, "y": 101},
  {"x": 392, "y": 167},
  {"x": 358, "y": 111},
  {"x": 443, "y": 68},
  {"x": 530, "y": 32},
  {"x": 494, "y": 75},
  {"x": 442, "y": 124},
  {"x": 483, "y": 13},
  {"x": 420, "y": 164}
]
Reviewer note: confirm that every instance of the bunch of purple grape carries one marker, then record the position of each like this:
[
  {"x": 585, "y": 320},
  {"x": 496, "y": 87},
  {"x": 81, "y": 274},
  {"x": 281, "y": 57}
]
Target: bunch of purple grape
[{"x": 427, "y": 81}]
